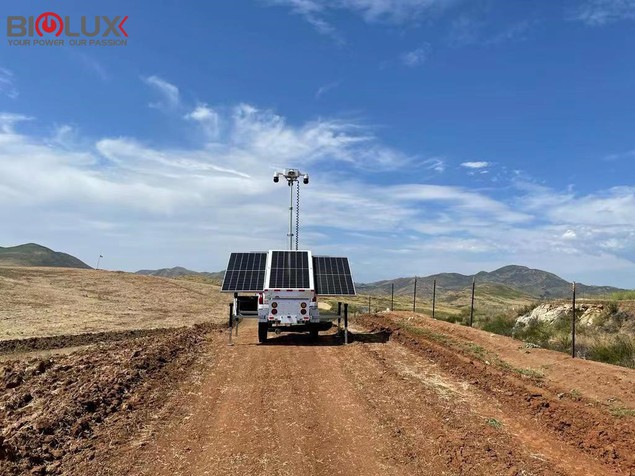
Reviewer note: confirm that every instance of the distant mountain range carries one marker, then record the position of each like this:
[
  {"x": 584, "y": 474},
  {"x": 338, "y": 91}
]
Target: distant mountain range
[
  {"x": 533, "y": 282},
  {"x": 178, "y": 272},
  {"x": 32, "y": 254},
  {"x": 508, "y": 279}
]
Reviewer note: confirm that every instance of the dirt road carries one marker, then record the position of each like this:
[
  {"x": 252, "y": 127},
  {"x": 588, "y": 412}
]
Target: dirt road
[{"x": 375, "y": 407}]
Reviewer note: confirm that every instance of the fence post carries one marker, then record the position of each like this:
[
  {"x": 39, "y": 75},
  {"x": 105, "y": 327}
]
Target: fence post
[
  {"x": 392, "y": 296},
  {"x": 434, "y": 296},
  {"x": 573, "y": 323},
  {"x": 369, "y": 311},
  {"x": 414, "y": 297},
  {"x": 231, "y": 321},
  {"x": 472, "y": 305},
  {"x": 339, "y": 315},
  {"x": 345, "y": 323}
]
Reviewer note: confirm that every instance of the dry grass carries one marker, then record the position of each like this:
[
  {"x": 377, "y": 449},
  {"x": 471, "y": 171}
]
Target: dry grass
[{"x": 37, "y": 302}]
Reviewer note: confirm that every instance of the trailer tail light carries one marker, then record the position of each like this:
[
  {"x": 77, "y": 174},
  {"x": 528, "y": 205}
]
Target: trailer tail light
[
  {"x": 274, "y": 305},
  {"x": 274, "y": 311},
  {"x": 303, "y": 311},
  {"x": 271, "y": 318},
  {"x": 261, "y": 298},
  {"x": 314, "y": 298},
  {"x": 303, "y": 305}
]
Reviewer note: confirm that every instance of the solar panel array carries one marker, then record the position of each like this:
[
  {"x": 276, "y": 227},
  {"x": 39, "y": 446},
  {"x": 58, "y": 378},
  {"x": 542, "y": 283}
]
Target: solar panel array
[
  {"x": 245, "y": 272},
  {"x": 332, "y": 276},
  {"x": 289, "y": 270}
]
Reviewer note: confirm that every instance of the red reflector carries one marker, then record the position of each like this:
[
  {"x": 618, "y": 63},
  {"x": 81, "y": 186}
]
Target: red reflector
[
  {"x": 301, "y": 290},
  {"x": 271, "y": 318},
  {"x": 289, "y": 290},
  {"x": 277, "y": 290},
  {"x": 261, "y": 299}
]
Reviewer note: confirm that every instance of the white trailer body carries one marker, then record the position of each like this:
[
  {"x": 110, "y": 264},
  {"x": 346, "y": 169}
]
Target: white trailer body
[{"x": 287, "y": 294}]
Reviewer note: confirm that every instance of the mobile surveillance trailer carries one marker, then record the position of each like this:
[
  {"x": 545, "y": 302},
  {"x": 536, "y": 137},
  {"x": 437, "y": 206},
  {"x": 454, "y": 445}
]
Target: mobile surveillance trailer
[
  {"x": 280, "y": 288},
  {"x": 283, "y": 289}
]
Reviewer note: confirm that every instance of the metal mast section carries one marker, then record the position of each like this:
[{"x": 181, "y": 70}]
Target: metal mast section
[{"x": 292, "y": 176}]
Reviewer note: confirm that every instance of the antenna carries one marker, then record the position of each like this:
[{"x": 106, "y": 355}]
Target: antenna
[{"x": 292, "y": 176}]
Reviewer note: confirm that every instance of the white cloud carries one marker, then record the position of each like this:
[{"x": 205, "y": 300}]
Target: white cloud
[
  {"x": 622, "y": 155},
  {"x": 148, "y": 206},
  {"x": 601, "y": 12},
  {"x": 569, "y": 235},
  {"x": 170, "y": 97},
  {"x": 7, "y": 120},
  {"x": 416, "y": 57},
  {"x": 207, "y": 117},
  {"x": 372, "y": 11},
  {"x": 326, "y": 88},
  {"x": 7, "y": 83},
  {"x": 475, "y": 165},
  {"x": 434, "y": 163}
]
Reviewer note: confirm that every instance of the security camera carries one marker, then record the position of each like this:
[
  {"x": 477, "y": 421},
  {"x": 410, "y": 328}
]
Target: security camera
[
  {"x": 306, "y": 179},
  {"x": 292, "y": 172},
  {"x": 276, "y": 179}
]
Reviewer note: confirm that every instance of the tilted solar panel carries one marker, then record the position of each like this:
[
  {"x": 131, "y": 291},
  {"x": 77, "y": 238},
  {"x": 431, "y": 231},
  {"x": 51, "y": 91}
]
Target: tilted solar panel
[
  {"x": 289, "y": 270},
  {"x": 332, "y": 276},
  {"x": 245, "y": 272}
]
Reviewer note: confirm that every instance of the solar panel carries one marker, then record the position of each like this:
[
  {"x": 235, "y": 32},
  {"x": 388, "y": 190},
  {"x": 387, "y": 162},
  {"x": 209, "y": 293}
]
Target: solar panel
[
  {"x": 332, "y": 276},
  {"x": 289, "y": 270},
  {"x": 245, "y": 272}
]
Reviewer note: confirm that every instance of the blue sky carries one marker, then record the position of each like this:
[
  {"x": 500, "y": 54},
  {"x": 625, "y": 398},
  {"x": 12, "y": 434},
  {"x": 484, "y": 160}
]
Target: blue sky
[{"x": 440, "y": 135}]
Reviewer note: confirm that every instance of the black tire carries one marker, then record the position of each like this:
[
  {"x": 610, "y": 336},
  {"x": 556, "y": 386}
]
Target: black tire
[
  {"x": 314, "y": 333},
  {"x": 262, "y": 331}
]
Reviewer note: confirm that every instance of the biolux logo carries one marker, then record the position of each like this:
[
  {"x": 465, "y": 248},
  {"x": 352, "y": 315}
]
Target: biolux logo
[{"x": 47, "y": 28}]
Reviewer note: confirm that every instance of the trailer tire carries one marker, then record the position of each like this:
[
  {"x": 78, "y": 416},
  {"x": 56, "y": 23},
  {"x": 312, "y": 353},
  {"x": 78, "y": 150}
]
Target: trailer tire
[
  {"x": 314, "y": 332},
  {"x": 262, "y": 331}
]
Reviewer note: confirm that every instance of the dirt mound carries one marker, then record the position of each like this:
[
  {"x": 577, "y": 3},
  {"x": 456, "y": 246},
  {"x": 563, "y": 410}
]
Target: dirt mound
[
  {"x": 73, "y": 340},
  {"x": 583, "y": 424},
  {"x": 52, "y": 411}
]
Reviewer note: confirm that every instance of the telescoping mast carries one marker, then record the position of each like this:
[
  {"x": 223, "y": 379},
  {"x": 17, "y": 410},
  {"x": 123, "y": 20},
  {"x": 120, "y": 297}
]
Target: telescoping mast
[{"x": 280, "y": 288}]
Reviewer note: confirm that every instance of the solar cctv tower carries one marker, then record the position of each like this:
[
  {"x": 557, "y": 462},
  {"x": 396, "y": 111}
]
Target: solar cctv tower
[{"x": 281, "y": 287}]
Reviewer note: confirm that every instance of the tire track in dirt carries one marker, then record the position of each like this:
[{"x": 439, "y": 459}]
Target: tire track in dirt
[
  {"x": 275, "y": 409},
  {"x": 372, "y": 408}
]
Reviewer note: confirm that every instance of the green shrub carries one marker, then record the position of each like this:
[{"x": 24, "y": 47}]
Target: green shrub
[
  {"x": 623, "y": 295},
  {"x": 617, "y": 350},
  {"x": 536, "y": 332},
  {"x": 499, "y": 324}
]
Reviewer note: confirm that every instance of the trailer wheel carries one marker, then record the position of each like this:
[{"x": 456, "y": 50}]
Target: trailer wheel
[
  {"x": 262, "y": 331},
  {"x": 314, "y": 332}
]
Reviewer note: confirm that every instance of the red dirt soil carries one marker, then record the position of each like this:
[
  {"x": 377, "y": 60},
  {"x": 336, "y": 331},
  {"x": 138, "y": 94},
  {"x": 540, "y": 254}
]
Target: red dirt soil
[{"x": 408, "y": 396}]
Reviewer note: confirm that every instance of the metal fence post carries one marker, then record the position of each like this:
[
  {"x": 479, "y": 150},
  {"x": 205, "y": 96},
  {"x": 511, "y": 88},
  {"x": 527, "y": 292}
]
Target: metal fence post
[
  {"x": 414, "y": 297},
  {"x": 392, "y": 296},
  {"x": 573, "y": 323},
  {"x": 434, "y": 296},
  {"x": 369, "y": 311},
  {"x": 231, "y": 322},
  {"x": 345, "y": 323},
  {"x": 472, "y": 305}
]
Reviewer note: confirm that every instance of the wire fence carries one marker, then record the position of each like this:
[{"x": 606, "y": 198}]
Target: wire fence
[{"x": 594, "y": 326}]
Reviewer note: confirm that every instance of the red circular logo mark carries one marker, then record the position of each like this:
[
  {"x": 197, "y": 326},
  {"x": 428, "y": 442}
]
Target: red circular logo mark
[{"x": 49, "y": 22}]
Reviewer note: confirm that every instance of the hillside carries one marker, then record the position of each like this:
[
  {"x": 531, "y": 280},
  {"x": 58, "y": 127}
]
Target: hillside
[
  {"x": 533, "y": 282},
  {"x": 178, "y": 272},
  {"x": 32, "y": 254},
  {"x": 38, "y": 302}
]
